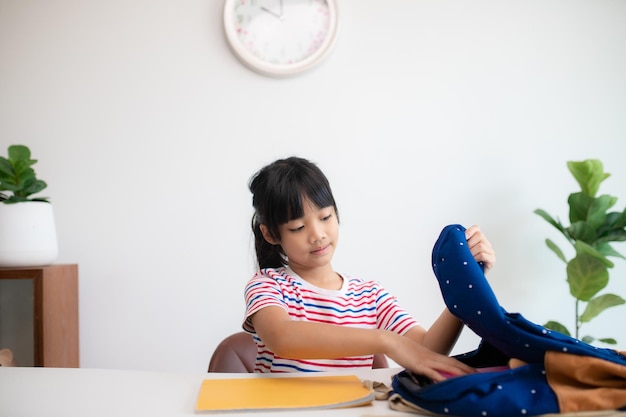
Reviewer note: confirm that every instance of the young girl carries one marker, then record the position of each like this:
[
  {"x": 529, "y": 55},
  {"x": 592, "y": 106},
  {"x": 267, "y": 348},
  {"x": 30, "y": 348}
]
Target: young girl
[{"x": 303, "y": 315}]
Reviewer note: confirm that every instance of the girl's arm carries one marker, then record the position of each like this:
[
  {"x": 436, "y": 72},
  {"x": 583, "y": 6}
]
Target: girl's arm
[
  {"x": 441, "y": 336},
  {"x": 307, "y": 340}
]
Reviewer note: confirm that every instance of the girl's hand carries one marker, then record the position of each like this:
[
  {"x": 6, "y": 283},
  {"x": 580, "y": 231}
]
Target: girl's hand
[
  {"x": 422, "y": 361},
  {"x": 480, "y": 247}
]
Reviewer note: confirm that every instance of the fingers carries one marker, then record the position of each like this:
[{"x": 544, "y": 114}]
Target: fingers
[
  {"x": 453, "y": 367},
  {"x": 431, "y": 374},
  {"x": 480, "y": 247},
  {"x": 423, "y": 361},
  {"x": 442, "y": 368}
]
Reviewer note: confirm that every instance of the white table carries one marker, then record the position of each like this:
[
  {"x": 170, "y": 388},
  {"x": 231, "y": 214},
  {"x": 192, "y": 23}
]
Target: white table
[{"x": 61, "y": 392}]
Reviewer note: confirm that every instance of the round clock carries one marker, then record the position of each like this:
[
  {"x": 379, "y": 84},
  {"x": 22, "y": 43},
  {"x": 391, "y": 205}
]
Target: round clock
[{"x": 280, "y": 37}]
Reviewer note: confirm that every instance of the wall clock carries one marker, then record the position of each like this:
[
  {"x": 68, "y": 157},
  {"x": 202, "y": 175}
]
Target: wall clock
[{"x": 280, "y": 37}]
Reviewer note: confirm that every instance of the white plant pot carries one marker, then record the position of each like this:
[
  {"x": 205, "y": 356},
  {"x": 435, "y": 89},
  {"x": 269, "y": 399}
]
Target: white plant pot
[{"x": 27, "y": 234}]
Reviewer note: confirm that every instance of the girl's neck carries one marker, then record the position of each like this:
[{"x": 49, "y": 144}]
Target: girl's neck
[{"x": 325, "y": 278}]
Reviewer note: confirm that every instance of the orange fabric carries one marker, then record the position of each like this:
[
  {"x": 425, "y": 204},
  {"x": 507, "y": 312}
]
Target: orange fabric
[
  {"x": 516, "y": 363},
  {"x": 583, "y": 383}
]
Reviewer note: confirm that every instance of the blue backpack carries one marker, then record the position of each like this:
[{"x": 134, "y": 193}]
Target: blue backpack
[{"x": 551, "y": 372}]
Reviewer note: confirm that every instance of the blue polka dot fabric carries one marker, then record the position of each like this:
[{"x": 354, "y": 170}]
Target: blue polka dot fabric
[{"x": 521, "y": 391}]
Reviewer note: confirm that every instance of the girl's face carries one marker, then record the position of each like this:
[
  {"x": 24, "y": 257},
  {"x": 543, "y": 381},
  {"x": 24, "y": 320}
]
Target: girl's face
[{"x": 310, "y": 241}]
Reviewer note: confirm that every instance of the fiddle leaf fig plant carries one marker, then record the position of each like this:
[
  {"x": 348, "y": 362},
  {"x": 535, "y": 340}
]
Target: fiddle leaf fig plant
[
  {"x": 592, "y": 228},
  {"x": 18, "y": 177}
]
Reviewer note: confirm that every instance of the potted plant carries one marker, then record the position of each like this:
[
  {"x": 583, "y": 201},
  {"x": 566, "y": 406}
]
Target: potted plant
[
  {"x": 592, "y": 228},
  {"x": 27, "y": 227}
]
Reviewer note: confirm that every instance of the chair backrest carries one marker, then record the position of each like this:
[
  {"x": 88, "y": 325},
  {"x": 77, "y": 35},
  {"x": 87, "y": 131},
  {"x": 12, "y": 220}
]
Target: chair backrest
[{"x": 237, "y": 354}]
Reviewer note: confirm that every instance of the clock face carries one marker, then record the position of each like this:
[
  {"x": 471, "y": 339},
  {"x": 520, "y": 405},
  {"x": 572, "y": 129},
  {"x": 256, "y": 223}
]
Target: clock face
[{"x": 280, "y": 37}]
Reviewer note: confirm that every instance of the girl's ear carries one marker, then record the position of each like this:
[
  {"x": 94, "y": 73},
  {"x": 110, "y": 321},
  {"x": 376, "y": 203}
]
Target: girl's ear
[{"x": 267, "y": 235}]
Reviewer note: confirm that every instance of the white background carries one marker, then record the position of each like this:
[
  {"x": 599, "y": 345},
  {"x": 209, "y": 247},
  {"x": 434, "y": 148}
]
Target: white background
[{"x": 426, "y": 113}]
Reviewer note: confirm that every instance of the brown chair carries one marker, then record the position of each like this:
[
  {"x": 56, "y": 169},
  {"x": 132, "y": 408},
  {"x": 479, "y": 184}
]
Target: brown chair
[{"x": 237, "y": 354}]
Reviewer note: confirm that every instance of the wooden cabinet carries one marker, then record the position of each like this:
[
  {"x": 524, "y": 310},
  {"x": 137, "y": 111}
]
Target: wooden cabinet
[{"x": 39, "y": 315}]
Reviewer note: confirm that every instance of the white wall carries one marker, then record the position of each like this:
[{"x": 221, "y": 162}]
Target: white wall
[{"x": 426, "y": 113}]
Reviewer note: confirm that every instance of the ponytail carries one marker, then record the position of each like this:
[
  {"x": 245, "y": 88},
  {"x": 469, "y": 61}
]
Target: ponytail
[{"x": 267, "y": 254}]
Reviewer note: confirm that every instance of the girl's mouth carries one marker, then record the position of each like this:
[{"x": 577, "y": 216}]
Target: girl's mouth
[{"x": 320, "y": 251}]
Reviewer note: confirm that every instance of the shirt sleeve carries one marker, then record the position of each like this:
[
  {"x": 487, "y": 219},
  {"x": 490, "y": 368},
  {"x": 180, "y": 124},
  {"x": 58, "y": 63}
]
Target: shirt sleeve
[
  {"x": 260, "y": 292},
  {"x": 391, "y": 316}
]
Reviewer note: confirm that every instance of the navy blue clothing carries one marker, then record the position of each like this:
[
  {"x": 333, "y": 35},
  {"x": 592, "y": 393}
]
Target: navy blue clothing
[{"x": 523, "y": 391}]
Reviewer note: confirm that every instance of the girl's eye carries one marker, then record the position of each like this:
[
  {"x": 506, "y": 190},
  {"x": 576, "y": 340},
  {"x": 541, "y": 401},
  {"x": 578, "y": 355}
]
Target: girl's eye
[
  {"x": 326, "y": 218},
  {"x": 296, "y": 229}
]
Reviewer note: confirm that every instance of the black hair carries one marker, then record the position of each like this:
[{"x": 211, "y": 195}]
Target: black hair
[{"x": 278, "y": 191}]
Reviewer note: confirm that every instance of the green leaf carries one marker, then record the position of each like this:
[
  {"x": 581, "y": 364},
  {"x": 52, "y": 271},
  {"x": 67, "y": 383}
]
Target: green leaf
[
  {"x": 6, "y": 170},
  {"x": 586, "y": 276},
  {"x": 607, "y": 250},
  {"x": 557, "y": 327},
  {"x": 23, "y": 170},
  {"x": 589, "y": 174},
  {"x": 556, "y": 250},
  {"x": 596, "y": 214},
  {"x": 583, "y": 248},
  {"x": 613, "y": 221},
  {"x": 16, "y": 199},
  {"x": 588, "y": 339},
  {"x": 550, "y": 220},
  {"x": 33, "y": 186},
  {"x": 608, "y": 341},
  {"x": 613, "y": 236},
  {"x": 8, "y": 186},
  {"x": 598, "y": 305},
  {"x": 19, "y": 153},
  {"x": 620, "y": 219},
  {"x": 582, "y": 231},
  {"x": 578, "y": 206}
]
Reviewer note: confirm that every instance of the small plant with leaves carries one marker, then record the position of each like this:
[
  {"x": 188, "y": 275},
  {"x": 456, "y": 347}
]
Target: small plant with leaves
[
  {"x": 592, "y": 228},
  {"x": 18, "y": 177}
]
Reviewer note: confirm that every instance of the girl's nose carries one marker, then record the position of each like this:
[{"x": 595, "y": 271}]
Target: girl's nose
[{"x": 317, "y": 233}]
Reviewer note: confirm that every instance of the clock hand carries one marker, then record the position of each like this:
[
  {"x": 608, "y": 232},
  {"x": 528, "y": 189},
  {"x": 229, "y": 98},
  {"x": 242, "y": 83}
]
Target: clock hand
[{"x": 277, "y": 16}]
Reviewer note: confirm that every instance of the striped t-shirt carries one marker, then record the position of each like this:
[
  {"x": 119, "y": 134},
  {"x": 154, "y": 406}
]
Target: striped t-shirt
[{"x": 363, "y": 304}]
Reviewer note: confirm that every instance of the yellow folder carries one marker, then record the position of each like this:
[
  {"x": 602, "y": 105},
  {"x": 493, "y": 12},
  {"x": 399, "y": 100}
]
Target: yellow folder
[{"x": 282, "y": 393}]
